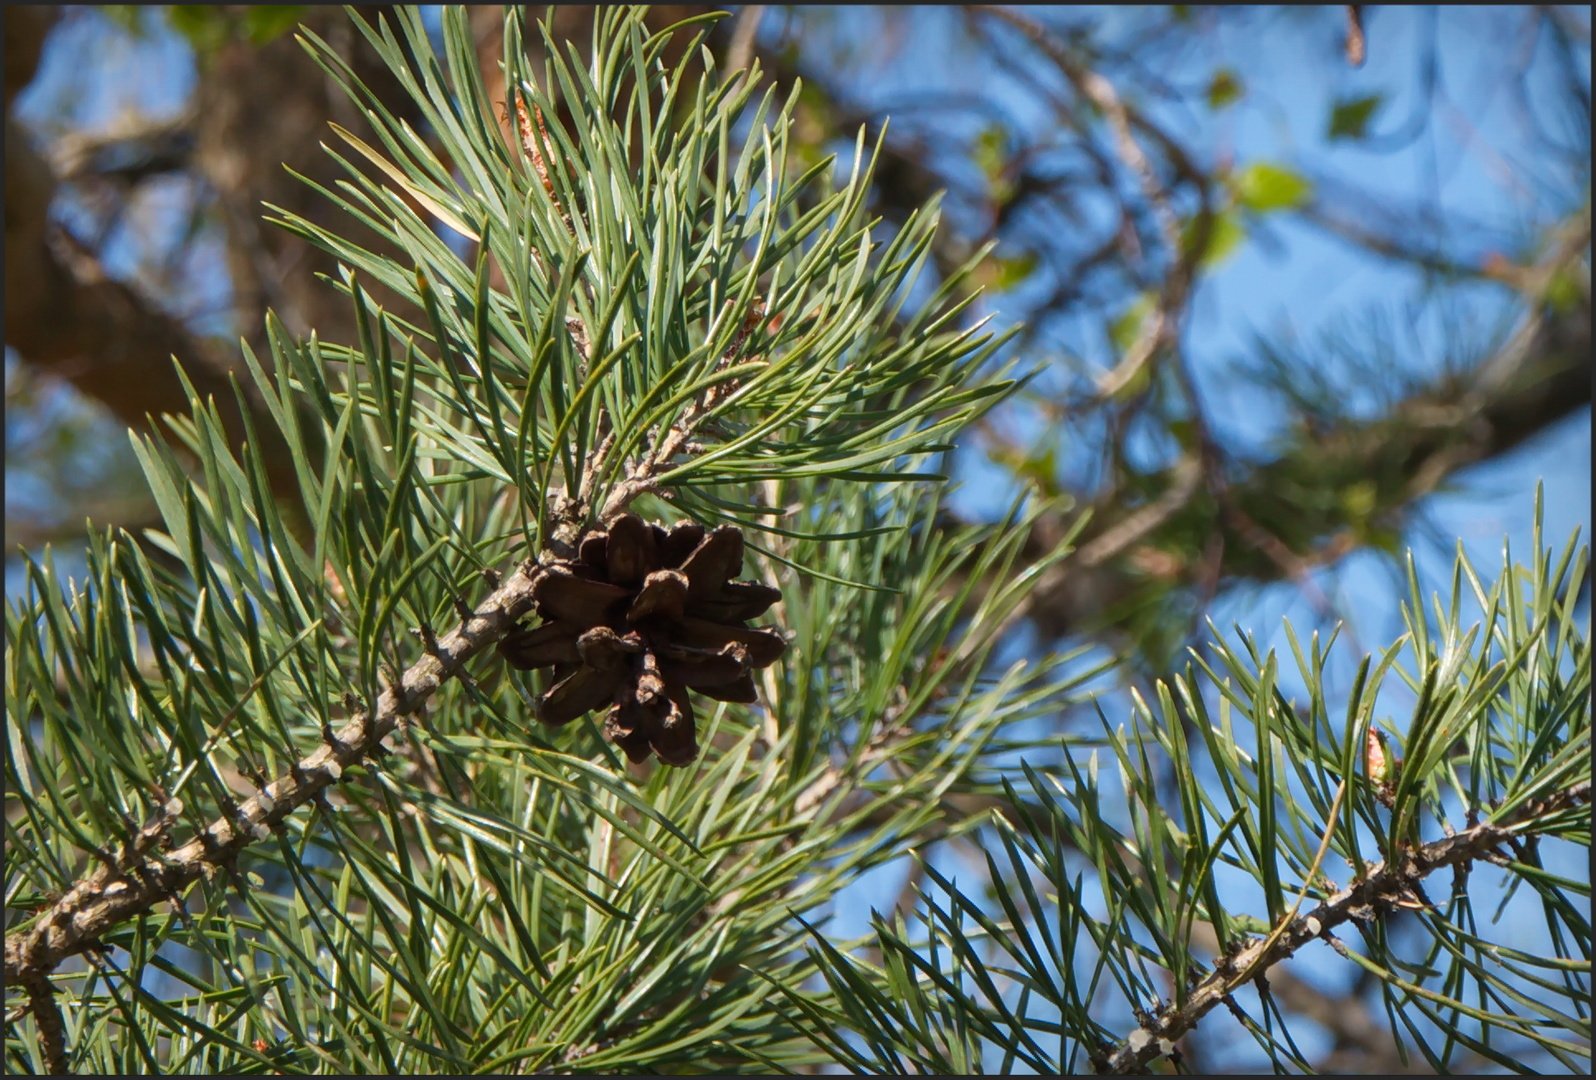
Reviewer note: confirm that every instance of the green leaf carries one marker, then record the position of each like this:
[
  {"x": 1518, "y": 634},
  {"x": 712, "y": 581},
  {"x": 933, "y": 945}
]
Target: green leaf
[
  {"x": 1224, "y": 89},
  {"x": 204, "y": 27},
  {"x": 1565, "y": 292},
  {"x": 990, "y": 152},
  {"x": 1359, "y": 500},
  {"x": 1009, "y": 273},
  {"x": 128, "y": 17},
  {"x": 1039, "y": 466},
  {"x": 1123, "y": 330},
  {"x": 1349, "y": 117},
  {"x": 209, "y": 26},
  {"x": 1263, "y": 187},
  {"x": 1225, "y": 234}
]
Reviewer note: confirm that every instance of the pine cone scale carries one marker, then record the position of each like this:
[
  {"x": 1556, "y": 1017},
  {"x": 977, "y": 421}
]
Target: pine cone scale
[
  {"x": 741, "y": 690},
  {"x": 664, "y": 593},
  {"x": 739, "y": 601},
  {"x": 630, "y": 552},
  {"x": 569, "y": 598},
  {"x": 551, "y": 643},
  {"x": 680, "y": 542},
  {"x": 713, "y": 563},
  {"x": 582, "y": 691},
  {"x": 593, "y": 550},
  {"x": 604, "y": 650},
  {"x": 705, "y": 669},
  {"x": 764, "y": 646}
]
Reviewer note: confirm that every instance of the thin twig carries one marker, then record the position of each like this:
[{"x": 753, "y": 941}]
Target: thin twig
[
  {"x": 1125, "y": 534},
  {"x": 1387, "y": 886},
  {"x": 1112, "y": 543},
  {"x": 744, "y": 31},
  {"x": 131, "y": 150},
  {"x": 1161, "y": 326},
  {"x": 1357, "y": 44}
]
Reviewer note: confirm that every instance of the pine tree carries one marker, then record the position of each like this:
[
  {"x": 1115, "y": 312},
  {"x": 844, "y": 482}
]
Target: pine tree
[{"x": 611, "y": 637}]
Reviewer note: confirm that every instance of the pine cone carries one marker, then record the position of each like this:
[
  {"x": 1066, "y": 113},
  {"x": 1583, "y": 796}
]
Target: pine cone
[{"x": 639, "y": 618}]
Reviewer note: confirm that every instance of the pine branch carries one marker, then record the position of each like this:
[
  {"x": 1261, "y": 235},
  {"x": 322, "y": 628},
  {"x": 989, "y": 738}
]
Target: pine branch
[
  {"x": 643, "y": 479},
  {"x": 47, "y": 1014},
  {"x": 123, "y": 889},
  {"x": 1387, "y": 886}
]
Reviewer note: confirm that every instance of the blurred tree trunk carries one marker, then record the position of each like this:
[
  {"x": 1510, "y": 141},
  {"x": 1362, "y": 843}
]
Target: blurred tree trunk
[{"x": 263, "y": 110}]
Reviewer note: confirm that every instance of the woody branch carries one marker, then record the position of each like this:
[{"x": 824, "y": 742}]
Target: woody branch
[
  {"x": 1385, "y": 887},
  {"x": 125, "y": 888}
]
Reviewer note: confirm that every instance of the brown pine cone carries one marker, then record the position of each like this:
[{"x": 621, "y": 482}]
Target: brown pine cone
[{"x": 639, "y": 618}]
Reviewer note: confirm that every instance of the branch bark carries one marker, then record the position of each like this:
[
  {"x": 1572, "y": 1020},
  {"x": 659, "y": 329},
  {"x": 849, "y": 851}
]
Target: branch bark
[
  {"x": 1387, "y": 886},
  {"x": 130, "y": 886}
]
